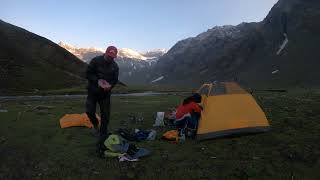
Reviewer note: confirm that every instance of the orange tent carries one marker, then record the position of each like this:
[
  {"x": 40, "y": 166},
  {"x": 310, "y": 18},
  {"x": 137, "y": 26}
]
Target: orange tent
[{"x": 229, "y": 110}]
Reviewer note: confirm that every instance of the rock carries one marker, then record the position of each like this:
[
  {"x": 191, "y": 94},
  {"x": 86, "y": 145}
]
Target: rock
[
  {"x": 42, "y": 107},
  {"x": 255, "y": 158},
  {"x": 2, "y": 140}
]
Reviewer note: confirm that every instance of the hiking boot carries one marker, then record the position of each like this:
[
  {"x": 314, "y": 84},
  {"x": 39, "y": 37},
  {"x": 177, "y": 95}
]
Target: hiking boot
[
  {"x": 100, "y": 148},
  {"x": 182, "y": 138},
  {"x": 100, "y": 153},
  {"x": 95, "y": 131}
]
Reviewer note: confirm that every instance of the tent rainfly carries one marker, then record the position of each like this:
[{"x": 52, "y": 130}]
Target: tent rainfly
[{"x": 229, "y": 110}]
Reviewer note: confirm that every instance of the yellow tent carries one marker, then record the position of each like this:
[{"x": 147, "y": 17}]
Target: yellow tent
[{"x": 229, "y": 110}]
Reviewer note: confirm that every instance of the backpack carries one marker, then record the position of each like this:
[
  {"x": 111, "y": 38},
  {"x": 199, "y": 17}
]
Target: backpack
[{"x": 115, "y": 145}]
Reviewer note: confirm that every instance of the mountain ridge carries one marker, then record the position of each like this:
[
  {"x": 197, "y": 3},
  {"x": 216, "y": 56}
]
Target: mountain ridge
[
  {"x": 134, "y": 66},
  {"x": 250, "y": 53},
  {"x": 87, "y": 54},
  {"x": 29, "y": 62}
]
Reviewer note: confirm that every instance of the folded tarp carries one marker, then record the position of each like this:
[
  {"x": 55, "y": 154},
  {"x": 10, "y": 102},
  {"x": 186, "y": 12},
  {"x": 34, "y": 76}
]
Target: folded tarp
[{"x": 74, "y": 120}]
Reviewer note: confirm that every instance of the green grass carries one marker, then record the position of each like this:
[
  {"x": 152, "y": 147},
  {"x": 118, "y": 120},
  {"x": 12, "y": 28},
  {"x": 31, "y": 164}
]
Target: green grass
[{"x": 34, "y": 147}]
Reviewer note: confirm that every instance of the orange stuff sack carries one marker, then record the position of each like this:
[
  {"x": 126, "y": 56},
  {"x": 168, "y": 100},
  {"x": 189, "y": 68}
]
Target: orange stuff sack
[
  {"x": 73, "y": 120},
  {"x": 171, "y": 135}
]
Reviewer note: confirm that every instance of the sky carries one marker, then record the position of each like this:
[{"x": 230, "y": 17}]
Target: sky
[{"x": 137, "y": 24}]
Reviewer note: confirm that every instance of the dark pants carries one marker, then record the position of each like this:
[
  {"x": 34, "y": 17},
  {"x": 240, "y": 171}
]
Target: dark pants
[
  {"x": 104, "y": 103},
  {"x": 188, "y": 122}
]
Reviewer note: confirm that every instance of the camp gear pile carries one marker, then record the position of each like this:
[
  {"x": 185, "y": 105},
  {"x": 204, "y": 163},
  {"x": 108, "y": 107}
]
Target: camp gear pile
[
  {"x": 116, "y": 146},
  {"x": 227, "y": 109}
]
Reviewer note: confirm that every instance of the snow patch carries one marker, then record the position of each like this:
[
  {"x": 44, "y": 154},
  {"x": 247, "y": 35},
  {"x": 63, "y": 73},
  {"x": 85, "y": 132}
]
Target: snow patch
[
  {"x": 204, "y": 71},
  {"x": 284, "y": 44},
  {"x": 129, "y": 53},
  {"x": 158, "y": 79}
]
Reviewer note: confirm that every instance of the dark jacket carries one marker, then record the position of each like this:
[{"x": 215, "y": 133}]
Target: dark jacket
[{"x": 99, "y": 68}]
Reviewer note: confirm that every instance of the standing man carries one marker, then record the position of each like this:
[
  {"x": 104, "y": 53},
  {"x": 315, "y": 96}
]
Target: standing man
[{"x": 102, "y": 74}]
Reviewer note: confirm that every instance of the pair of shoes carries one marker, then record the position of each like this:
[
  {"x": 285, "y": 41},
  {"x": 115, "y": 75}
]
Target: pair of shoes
[
  {"x": 182, "y": 138},
  {"x": 127, "y": 158},
  {"x": 95, "y": 131}
]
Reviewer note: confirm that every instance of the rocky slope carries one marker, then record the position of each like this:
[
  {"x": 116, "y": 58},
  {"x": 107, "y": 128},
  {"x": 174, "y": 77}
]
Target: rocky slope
[{"x": 250, "y": 52}]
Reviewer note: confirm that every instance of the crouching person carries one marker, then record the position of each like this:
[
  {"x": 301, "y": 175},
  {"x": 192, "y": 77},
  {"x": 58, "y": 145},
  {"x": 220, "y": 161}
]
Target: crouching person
[{"x": 188, "y": 115}]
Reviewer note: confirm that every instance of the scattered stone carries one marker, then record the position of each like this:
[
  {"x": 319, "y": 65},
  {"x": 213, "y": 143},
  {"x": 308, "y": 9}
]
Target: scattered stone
[
  {"x": 2, "y": 140},
  {"x": 96, "y": 172},
  {"x": 132, "y": 118},
  {"x": 42, "y": 112},
  {"x": 255, "y": 158},
  {"x": 41, "y": 107},
  {"x": 165, "y": 156},
  {"x": 140, "y": 119}
]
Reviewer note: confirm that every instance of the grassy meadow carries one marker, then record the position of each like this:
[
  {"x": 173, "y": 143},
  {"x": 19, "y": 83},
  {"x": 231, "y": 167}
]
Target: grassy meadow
[{"x": 33, "y": 146}]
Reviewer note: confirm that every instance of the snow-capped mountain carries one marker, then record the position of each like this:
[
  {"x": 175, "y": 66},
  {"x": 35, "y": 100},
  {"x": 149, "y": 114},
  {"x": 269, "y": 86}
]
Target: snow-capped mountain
[
  {"x": 86, "y": 54},
  {"x": 130, "y": 53},
  {"x": 131, "y": 62},
  {"x": 278, "y": 52},
  {"x": 154, "y": 54}
]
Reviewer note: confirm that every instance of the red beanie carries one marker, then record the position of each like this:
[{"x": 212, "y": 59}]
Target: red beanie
[{"x": 112, "y": 51}]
